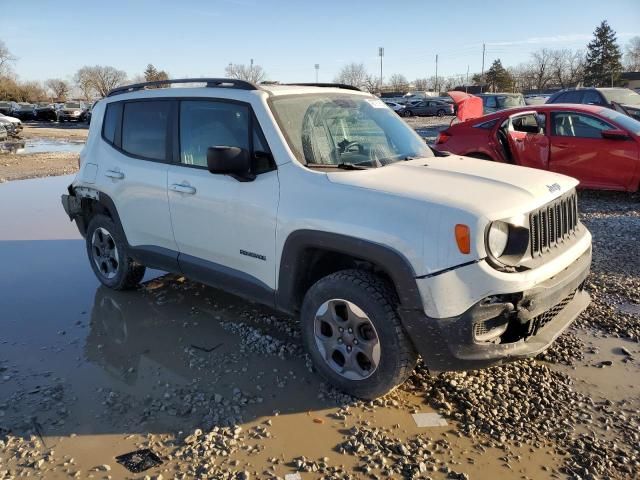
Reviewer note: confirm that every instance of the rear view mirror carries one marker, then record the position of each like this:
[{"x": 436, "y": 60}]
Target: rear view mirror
[
  {"x": 614, "y": 134},
  {"x": 234, "y": 161}
]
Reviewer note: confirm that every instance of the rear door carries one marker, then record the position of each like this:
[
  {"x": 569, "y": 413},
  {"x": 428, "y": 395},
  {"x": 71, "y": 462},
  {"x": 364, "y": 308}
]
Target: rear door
[
  {"x": 528, "y": 141},
  {"x": 132, "y": 169},
  {"x": 578, "y": 150}
]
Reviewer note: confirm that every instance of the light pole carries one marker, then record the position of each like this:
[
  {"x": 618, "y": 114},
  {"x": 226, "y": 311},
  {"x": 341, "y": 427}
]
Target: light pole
[
  {"x": 317, "y": 67},
  {"x": 381, "y": 54},
  {"x": 437, "y": 91}
]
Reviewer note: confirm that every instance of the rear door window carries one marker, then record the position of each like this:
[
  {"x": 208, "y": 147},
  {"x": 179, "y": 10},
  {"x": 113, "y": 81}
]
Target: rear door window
[{"x": 144, "y": 129}]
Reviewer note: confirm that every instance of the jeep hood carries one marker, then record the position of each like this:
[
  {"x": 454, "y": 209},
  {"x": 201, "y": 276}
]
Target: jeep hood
[{"x": 485, "y": 188}]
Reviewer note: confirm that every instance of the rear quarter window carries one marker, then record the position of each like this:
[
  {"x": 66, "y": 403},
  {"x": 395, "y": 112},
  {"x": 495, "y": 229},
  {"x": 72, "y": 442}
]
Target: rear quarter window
[{"x": 111, "y": 123}]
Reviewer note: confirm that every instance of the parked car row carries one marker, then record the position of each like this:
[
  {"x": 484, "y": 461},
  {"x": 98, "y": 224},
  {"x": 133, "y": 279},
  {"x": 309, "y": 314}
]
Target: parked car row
[
  {"x": 12, "y": 125},
  {"x": 59, "y": 112}
]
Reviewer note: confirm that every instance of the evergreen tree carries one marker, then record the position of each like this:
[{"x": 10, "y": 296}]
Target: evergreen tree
[
  {"x": 602, "y": 66},
  {"x": 150, "y": 73},
  {"x": 498, "y": 78}
]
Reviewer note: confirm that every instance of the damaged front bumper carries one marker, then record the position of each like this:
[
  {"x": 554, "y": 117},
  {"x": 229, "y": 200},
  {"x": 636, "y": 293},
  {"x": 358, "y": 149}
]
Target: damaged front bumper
[{"x": 502, "y": 328}]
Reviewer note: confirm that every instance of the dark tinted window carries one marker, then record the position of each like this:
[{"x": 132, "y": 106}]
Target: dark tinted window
[
  {"x": 491, "y": 102},
  {"x": 112, "y": 119},
  {"x": 592, "y": 97},
  {"x": 487, "y": 125},
  {"x": 144, "y": 129},
  {"x": 571, "y": 97}
]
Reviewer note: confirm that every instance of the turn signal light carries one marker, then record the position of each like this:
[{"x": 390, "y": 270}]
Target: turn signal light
[
  {"x": 442, "y": 138},
  {"x": 463, "y": 238}
]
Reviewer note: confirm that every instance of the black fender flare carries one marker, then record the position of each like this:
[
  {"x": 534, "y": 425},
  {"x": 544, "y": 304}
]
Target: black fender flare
[{"x": 392, "y": 262}]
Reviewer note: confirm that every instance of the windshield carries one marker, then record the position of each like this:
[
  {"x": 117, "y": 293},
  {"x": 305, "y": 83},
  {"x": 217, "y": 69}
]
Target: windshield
[
  {"x": 623, "y": 96},
  {"x": 26, "y": 106},
  {"x": 5, "y": 104},
  {"x": 508, "y": 101},
  {"x": 341, "y": 129},
  {"x": 621, "y": 119},
  {"x": 71, "y": 105}
]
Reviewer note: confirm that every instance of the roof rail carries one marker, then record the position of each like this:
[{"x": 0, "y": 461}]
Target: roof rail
[
  {"x": 210, "y": 82},
  {"x": 331, "y": 85}
]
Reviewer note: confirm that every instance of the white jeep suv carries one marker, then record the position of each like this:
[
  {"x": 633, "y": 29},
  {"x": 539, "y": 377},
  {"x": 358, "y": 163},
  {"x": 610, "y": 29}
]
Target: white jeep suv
[{"x": 319, "y": 201}]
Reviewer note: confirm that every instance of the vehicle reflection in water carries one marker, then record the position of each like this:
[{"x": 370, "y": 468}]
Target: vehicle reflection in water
[
  {"x": 12, "y": 146},
  {"x": 168, "y": 338}
]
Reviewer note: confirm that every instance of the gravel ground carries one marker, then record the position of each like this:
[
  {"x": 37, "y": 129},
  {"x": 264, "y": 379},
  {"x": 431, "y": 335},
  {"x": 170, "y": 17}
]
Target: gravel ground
[{"x": 22, "y": 166}]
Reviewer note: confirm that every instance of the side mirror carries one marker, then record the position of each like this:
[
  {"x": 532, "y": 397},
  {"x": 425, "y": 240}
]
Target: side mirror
[
  {"x": 234, "y": 161},
  {"x": 615, "y": 134}
]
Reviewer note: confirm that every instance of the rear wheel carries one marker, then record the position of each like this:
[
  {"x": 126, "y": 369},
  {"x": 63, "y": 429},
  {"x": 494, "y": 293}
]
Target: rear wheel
[
  {"x": 408, "y": 113},
  {"x": 440, "y": 113},
  {"x": 353, "y": 334},
  {"x": 108, "y": 255}
]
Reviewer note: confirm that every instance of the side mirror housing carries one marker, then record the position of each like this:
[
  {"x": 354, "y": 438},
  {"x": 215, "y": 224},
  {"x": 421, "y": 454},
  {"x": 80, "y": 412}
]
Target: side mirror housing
[
  {"x": 615, "y": 134},
  {"x": 234, "y": 161}
]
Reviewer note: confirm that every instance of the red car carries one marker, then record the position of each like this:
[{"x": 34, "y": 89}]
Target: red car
[{"x": 598, "y": 146}]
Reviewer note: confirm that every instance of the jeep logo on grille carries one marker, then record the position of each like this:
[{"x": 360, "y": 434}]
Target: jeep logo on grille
[{"x": 554, "y": 187}]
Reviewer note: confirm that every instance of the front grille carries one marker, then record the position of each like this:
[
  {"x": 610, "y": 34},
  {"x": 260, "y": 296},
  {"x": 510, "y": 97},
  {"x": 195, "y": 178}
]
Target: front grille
[
  {"x": 541, "y": 320},
  {"x": 553, "y": 224}
]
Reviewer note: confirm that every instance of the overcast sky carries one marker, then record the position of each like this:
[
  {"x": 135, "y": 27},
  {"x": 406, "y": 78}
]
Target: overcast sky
[{"x": 200, "y": 37}]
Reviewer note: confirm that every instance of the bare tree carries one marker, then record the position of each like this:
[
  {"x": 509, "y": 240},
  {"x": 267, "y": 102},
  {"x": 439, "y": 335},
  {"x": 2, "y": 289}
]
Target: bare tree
[
  {"x": 567, "y": 68},
  {"x": 372, "y": 84},
  {"x": 632, "y": 55},
  {"x": 107, "y": 78},
  {"x": 99, "y": 79},
  {"x": 59, "y": 88},
  {"x": 398, "y": 83},
  {"x": 250, "y": 73},
  {"x": 541, "y": 65},
  {"x": 6, "y": 59},
  {"x": 421, "y": 84},
  {"x": 31, "y": 92},
  {"x": 353, "y": 74},
  {"x": 84, "y": 81}
]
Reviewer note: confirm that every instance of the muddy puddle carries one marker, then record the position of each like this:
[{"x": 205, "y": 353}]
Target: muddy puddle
[
  {"x": 41, "y": 145},
  {"x": 87, "y": 374}
]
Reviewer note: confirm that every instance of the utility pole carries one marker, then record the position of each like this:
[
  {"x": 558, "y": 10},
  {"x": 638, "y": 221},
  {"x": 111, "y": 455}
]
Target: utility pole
[
  {"x": 466, "y": 84},
  {"x": 437, "y": 91},
  {"x": 482, "y": 74},
  {"x": 317, "y": 67},
  {"x": 381, "y": 53}
]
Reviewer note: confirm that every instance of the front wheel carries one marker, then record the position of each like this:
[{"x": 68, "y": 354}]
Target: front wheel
[
  {"x": 408, "y": 113},
  {"x": 352, "y": 331},
  {"x": 108, "y": 255},
  {"x": 440, "y": 113}
]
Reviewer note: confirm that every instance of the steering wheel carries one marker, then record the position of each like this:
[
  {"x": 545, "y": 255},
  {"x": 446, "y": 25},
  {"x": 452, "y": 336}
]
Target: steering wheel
[{"x": 347, "y": 146}]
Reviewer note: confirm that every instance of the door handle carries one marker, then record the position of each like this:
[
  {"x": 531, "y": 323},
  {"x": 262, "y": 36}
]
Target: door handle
[
  {"x": 562, "y": 145},
  {"x": 180, "y": 188},
  {"x": 113, "y": 174}
]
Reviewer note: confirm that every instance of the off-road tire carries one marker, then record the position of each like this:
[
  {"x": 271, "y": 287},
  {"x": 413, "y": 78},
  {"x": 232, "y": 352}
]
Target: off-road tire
[
  {"x": 129, "y": 273},
  {"x": 378, "y": 300}
]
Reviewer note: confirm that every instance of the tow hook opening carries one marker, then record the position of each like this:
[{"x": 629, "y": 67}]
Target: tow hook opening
[{"x": 498, "y": 321}]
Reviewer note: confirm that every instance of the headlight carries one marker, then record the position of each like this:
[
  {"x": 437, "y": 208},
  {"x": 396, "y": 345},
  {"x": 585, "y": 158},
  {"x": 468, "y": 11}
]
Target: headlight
[
  {"x": 76, "y": 112},
  {"x": 498, "y": 238}
]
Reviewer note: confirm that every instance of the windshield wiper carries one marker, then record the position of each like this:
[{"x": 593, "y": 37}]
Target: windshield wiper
[{"x": 341, "y": 166}]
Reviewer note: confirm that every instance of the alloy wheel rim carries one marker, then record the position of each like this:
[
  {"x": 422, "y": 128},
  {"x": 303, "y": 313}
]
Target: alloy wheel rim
[
  {"x": 105, "y": 253},
  {"x": 346, "y": 339}
]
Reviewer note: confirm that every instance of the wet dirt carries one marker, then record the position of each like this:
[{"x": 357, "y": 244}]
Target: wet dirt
[{"x": 87, "y": 374}]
